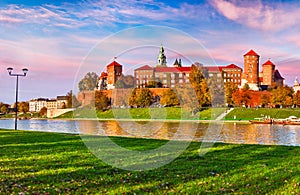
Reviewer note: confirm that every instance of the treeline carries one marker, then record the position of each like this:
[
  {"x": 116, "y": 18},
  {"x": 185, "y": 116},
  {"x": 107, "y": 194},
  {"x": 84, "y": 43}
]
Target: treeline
[
  {"x": 22, "y": 107},
  {"x": 281, "y": 96}
]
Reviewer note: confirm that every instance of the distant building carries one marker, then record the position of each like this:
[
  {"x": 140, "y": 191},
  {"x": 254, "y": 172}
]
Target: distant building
[
  {"x": 296, "y": 85},
  {"x": 231, "y": 73},
  {"x": 251, "y": 70},
  {"x": 267, "y": 78},
  {"x": 61, "y": 102},
  {"x": 35, "y": 105},
  {"x": 164, "y": 76},
  {"x": 109, "y": 78},
  {"x": 51, "y": 104}
]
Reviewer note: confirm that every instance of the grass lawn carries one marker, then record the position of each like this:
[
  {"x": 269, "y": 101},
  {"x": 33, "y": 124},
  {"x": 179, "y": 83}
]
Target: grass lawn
[
  {"x": 251, "y": 113},
  {"x": 51, "y": 163},
  {"x": 148, "y": 113}
]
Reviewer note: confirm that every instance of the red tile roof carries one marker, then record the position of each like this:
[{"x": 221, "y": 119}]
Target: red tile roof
[
  {"x": 114, "y": 63},
  {"x": 213, "y": 68},
  {"x": 103, "y": 74},
  {"x": 269, "y": 63},
  {"x": 232, "y": 66},
  {"x": 251, "y": 53},
  {"x": 146, "y": 67},
  {"x": 172, "y": 69}
]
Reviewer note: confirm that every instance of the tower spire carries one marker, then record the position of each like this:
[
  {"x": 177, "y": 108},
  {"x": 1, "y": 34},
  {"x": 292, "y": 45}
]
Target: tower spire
[{"x": 161, "y": 59}]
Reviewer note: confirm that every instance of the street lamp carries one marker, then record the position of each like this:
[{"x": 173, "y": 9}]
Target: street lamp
[{"x": 25, "y": 70}]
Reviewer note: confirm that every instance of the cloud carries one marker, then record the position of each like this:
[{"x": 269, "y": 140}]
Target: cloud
[
  {"x": 259, "y": 15},
  {"x": 100, "y": 13}
]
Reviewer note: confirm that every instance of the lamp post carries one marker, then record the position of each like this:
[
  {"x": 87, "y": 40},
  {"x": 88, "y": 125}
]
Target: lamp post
[{"x": 25, "y": 70}]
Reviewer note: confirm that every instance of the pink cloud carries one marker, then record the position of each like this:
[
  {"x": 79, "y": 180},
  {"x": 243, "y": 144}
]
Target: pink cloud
[{"x": 259, "y": 15}]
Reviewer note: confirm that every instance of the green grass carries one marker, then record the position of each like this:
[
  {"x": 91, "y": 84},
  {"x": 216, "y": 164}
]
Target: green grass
[
  {"x": 251, "y": 113},
  {"x": 147, "y": 113},
  {"x": 50, "y": 163}
]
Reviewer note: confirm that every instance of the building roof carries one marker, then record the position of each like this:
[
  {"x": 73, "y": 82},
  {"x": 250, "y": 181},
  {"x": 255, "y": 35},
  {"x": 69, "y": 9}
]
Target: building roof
[
  {"x": 146, "y": 67},
  {"x": 103, "y": 74},
  {"x": 213, "y": 68},
  {"x": 172, "y": 69},
  {"x": 232, "y": 66},
  {"x": 114, "y": 63},
  {"x": 277, "y": 75},
  {"x": 61, "y": 97},
  {"x": 220, "y": 68},
  {"x": 269, "y": 63},
  {"x": 251, "y": 53}
]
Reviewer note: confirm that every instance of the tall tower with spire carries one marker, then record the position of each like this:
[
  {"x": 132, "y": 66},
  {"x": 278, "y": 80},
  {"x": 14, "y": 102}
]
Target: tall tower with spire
[{"x": 161, "y": 59}]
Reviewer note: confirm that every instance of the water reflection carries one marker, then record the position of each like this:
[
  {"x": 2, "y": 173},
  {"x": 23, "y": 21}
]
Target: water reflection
[{"x": 227, "y": 133}]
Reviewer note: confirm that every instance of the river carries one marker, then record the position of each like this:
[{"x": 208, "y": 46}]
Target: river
[{"x": 225, "y": 133}]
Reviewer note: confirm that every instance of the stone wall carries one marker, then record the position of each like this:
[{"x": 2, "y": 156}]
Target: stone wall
[{"x": 51, "y": 113}]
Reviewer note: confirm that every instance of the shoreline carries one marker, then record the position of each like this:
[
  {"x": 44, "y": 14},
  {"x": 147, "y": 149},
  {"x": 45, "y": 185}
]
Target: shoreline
[{"x": 141, "y": 120}]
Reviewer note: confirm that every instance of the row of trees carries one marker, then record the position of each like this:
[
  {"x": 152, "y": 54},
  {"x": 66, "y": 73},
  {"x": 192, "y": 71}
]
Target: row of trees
[
  {"x": 22, "y": 107},
  {"x": 282, "y": 96}
]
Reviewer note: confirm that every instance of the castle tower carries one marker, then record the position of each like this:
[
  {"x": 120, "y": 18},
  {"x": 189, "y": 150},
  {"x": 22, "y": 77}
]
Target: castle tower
[
  {"x": 251, "y": 70},
  {"x": 114, "y": 72},
  {"x": 268, "y": 69},
  {"x": 161, "y": 59}
]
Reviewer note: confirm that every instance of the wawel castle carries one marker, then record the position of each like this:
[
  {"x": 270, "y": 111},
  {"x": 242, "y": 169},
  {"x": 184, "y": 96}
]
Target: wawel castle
[{"x": 163, "y": 76}]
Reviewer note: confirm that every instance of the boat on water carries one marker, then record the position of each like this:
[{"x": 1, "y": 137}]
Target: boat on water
[
  {"x": 261, "y": 121},
  {"x": 292, "y": 120}
]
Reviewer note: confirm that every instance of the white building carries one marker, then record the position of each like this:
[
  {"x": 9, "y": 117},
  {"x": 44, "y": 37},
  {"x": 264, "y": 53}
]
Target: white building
[
  {"x": 296, "y": 85},
  {"x": 36, "y": 105}
]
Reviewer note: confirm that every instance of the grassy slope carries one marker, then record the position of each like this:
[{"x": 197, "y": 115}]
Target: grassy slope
[
  {"x": 41, "y": 163},
  {"x": 151, "y": 113},
  {"x": 251, "y": 113}
]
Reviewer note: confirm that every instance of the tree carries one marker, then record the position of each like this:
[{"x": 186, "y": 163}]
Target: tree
[
  {"x": 101, "y": 101},
  {"x": 169, "y": 98},
  {"x": 246, "y": 86},
  {"x": 72, "y": 101},
  {"x": 22, "y": 106},
  {"x": 144, "y": 98},
  {"x": 43, "y": 112},
  {"x": 125, "y": 82},
  {"x": 200, "y": 86},
  {"x": 265, "y": 99},
  {"x": 283, "y": 96},
  {"x": 3, "y": 109},
  {"x": 89, "y": 82},
  {"x": 241, "y": 97},
  {"x": 297, "y": 98},
  {"x": 230, "y": 88},
  {"x": 133, "y": 98}
]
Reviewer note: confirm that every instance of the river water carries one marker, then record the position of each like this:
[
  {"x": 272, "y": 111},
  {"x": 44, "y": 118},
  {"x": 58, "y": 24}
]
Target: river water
[{"x": 212, "y": 132}]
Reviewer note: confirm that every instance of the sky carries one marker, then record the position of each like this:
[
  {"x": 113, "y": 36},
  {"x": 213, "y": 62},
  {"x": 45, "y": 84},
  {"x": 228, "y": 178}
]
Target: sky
[{"x": 60, "y": 41}]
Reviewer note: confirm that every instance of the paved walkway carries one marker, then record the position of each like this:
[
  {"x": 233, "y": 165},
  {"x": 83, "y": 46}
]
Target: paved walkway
[{"x": 222, "y": 116}]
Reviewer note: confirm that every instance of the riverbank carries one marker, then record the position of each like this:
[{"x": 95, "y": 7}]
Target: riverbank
[{"x": 41, "y": 163}]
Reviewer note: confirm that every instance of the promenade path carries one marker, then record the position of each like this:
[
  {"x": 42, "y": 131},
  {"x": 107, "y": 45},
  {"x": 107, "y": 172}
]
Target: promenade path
[{"x": 222, "y": 116}]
